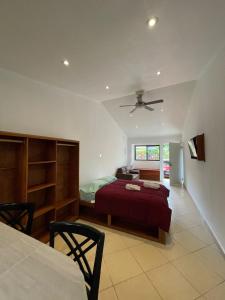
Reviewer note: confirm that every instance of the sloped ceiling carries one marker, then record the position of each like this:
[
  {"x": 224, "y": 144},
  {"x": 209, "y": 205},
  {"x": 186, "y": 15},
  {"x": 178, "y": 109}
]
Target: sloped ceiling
[{"x": 166, "y": 119}]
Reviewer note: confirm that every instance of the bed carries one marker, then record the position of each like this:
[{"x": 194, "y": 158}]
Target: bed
[{"x": 147, "y": 208}]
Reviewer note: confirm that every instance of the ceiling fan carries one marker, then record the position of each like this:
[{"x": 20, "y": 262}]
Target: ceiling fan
[{"x": 140, "y": 103}]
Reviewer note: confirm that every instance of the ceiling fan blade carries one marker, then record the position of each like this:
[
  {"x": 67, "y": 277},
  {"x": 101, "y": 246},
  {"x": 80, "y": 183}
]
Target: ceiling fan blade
[
  {"x": 127, "y": 105},
  {"x": 149, "y": 108},
  {"x": 154, "y": 102},
  {"x": 133, "y": 110}
]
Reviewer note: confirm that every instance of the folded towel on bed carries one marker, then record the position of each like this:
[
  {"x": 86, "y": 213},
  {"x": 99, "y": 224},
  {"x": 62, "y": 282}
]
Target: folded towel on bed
[
  {"x": 151, "y": 185},
  {"x": 132, "y": 187}
]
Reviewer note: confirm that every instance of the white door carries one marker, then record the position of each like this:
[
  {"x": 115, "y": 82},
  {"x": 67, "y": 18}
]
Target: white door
[{"x": 175, "y": 162}]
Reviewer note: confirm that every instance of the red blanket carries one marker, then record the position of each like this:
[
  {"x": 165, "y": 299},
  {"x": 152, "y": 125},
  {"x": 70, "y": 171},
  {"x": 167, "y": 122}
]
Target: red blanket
[{"x": 148, "y": 206}]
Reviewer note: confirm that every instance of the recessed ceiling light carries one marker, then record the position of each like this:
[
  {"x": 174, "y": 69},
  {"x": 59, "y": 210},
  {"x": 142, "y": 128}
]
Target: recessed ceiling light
[
  {"x": 107, "y": 87},
  {"x": 152, "y": 21},
  {"x": 136, "y": 126},
  {"x": 158, "y": 73},
  {"x": 66, "y": 62}
]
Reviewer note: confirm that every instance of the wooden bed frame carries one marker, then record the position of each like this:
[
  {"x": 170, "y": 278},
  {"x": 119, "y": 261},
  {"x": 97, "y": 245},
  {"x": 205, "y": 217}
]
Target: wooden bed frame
[{"x": 160, "y": 238}]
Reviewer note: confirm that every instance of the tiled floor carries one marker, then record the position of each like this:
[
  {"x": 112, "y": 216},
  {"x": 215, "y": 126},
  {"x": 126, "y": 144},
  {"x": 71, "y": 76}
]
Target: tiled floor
[{"x": 190, "y": 266}]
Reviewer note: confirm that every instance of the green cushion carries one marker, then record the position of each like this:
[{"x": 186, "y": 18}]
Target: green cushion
[
  {"x": 93, "y": 187},
  {"x": 108, "y": 179}
]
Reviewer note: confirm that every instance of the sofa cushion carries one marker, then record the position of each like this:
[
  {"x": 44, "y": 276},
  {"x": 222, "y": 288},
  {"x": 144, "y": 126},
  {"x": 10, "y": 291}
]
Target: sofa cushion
[{"x": 122, "y": 170}]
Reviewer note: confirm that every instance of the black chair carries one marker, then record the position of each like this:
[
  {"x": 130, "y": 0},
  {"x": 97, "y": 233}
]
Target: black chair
[
  {"x": 70, "y": 233},
  {"x": 18, "y": 215}
]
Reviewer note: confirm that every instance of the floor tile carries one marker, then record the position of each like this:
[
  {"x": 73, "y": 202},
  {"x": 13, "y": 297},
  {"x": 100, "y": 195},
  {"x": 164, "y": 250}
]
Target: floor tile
[
  {"x": 173, "y": 251},
  {"x": 176, "y": 227},
  {"x": 105, "y": 280},
  {"x": 189, "y": 241},
  {"x": 108, "y": 294},
  {"x": 189, "y": 219},
  {"x": 202, "y": 233},
  {"x": 138, "y": 287},
  {"x": 60, "y": 245},
  {"x": 218, "y": 293},
  {"x": 170, "y": 284},
  {"x": 113, "y": 243},
  {"x": 216, "y": 246},
  {"x": 121, "y": 266},
  {"x": 131, "y": 240},
  {"x": 213, "y": 260},
  {"x": 148, "y": 256},
  {"x": 201, "y": 277}
]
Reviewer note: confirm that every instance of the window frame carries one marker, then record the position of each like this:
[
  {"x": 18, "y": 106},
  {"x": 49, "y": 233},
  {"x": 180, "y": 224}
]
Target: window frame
[{"x": 146, "y": 146}]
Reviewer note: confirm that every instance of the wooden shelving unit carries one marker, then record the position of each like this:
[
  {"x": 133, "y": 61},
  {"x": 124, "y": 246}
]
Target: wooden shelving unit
[{"x": 44, "y": 171}]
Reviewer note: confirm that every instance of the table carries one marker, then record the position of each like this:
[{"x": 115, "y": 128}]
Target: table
[
  {"x": 30, "y": 269},
  {"x": 150, "y": 174}
]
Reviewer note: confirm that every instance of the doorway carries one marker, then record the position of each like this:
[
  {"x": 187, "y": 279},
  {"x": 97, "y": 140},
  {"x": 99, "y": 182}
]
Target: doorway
[{"x": 176, "y": 151}]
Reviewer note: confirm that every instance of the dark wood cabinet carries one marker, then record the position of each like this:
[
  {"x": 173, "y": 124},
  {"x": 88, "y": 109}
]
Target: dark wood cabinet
[
  {"x": 42, "y": 170},
  {"x": 150, "y": 174}
]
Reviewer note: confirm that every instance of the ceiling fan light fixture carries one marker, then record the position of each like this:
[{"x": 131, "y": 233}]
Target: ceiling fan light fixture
[{"x": 158, "y": 73}]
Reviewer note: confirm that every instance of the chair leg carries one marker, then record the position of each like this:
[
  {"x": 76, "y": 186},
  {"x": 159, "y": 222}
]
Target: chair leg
[{"x": 109, "y": 220}]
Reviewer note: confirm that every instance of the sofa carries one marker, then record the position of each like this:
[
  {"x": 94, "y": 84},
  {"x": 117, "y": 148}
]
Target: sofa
[{"x": 124, "y": 173}]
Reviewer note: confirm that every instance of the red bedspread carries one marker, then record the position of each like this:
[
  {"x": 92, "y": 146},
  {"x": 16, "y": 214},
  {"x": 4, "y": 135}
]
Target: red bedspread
[{"x": 148, "y": 206}]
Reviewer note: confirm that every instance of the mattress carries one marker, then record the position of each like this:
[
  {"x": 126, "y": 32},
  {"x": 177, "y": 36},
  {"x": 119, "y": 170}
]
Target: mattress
[
  {"x": 87, "y": 196},
  {"x": 88, "y": 191}
]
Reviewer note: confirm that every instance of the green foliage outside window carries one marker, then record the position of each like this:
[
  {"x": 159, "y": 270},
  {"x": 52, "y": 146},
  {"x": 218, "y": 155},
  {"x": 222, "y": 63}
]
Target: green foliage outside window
[
  {"x": 166, "y": 153},
  {"x": 147, "y": 152}
]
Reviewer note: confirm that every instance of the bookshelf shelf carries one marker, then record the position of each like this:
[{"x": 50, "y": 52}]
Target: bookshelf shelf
[
  {"x": 38, "y": 187},
  {"x": 31, "y": 163},
  {"x": 65, "y": 202},
  {"x": 43, "y": 210},
  {"x": 8, "y": 168}
]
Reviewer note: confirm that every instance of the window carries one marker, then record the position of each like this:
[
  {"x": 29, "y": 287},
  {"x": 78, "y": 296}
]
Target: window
[{"x": 147, "y": 152}]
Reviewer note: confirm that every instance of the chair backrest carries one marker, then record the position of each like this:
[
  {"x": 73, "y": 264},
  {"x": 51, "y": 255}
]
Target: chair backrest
[
  {"x": 71, "y": 233},
  {"x": 18, "y": 215}
]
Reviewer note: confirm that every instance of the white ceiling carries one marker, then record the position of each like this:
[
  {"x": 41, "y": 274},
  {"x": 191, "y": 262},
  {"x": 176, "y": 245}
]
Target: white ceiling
[
  {"x": 170, "y": 121},
  {"x": 108, "y": 42}
]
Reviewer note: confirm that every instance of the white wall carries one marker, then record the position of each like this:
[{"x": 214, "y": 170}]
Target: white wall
[
  {"x": 205, "y": 181},
  {"x": 149, "y": 141},
  {"x": 28, "y": 106}
]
